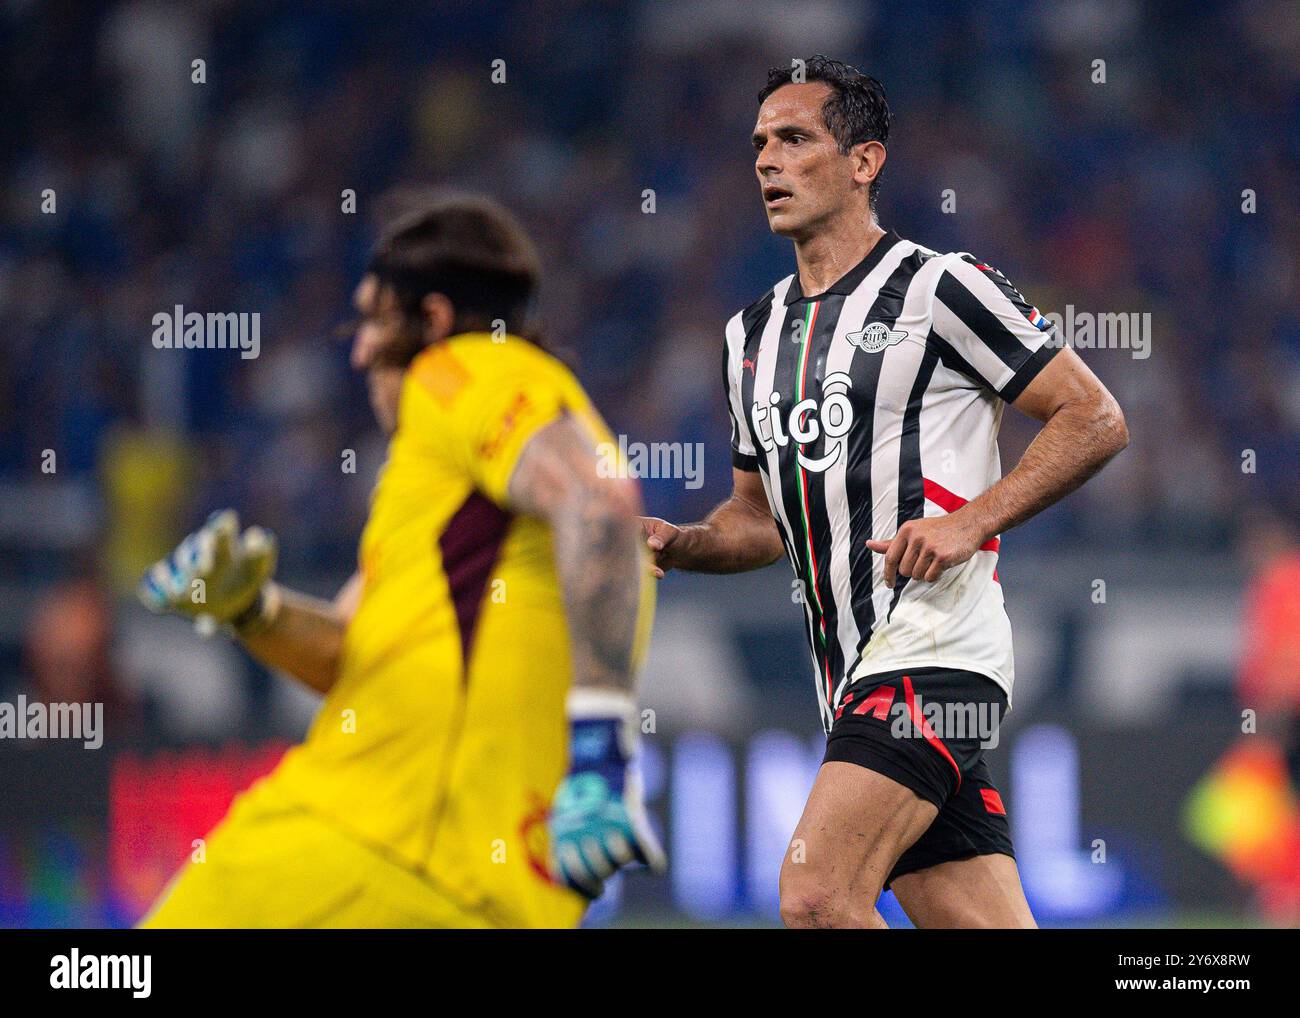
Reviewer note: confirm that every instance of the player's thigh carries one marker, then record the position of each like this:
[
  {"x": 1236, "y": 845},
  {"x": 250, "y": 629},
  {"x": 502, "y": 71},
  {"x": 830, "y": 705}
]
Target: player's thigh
[
  {"x": 982, "y": 891},
  {"x": 855, "y": 825},
  {"x": 961, "y": 872}
]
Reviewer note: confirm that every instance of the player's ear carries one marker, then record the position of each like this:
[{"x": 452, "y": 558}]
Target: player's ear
[
  {"x": 439, "y": 317},
  {"x": 868, "y": 161}
]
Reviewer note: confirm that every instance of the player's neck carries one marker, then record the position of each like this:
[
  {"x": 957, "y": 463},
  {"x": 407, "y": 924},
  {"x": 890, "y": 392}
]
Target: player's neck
[{"x": 833, "y": 250}]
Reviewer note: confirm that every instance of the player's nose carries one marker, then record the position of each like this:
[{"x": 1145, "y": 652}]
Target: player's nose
[{"x": 361, "y": 351}]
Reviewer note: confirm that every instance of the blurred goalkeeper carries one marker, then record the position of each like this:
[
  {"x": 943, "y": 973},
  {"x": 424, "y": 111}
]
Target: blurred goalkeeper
[{"x": 489, "y": 639}]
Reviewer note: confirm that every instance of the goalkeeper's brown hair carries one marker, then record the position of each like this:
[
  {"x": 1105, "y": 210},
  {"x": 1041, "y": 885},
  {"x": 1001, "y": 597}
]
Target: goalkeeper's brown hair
[{"x": 465, "y": 246}]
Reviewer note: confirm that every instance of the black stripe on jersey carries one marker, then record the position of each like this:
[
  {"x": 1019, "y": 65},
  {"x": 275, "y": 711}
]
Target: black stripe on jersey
[
  {"x": 864, "y": 369},
  {"x": 1030, "y": 368},
  {"x": 950, "y": 358},
  {"x": 865, "y": 372},
  {"x": 911, "y": 485},
  {"x": 1025, "y": 374},
  {"x": 783, "y": 378},
  {"x": 755, "y": 315},
  {"x": 819, "y": 524},
  {"x": 753, "y": 318},
  {"x": 785, "y": 485},
  {"x": 1003, "y": 283},
  {"x": 1028, "y": 371},
  {"x": 981, "y": 321}
]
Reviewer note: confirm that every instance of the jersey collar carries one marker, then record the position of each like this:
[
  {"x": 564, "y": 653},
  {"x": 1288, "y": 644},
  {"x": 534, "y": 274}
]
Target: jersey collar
[{"x": 850, "y": 281}]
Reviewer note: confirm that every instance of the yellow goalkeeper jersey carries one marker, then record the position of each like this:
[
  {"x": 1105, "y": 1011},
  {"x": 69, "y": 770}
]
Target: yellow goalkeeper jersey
[{"x": 444, "y": 739}]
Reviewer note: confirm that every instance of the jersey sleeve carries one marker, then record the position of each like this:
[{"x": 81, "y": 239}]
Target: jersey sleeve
[
  {"x": 994, "y": 336},
  {"x": 743, "y": 454},
  {"x": 486, "y": 411}
]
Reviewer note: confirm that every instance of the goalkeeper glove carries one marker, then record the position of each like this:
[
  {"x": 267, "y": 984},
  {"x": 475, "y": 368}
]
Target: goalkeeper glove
[
  {"x": 217, "y": 576},
  {"x": 598, "y": 821}
]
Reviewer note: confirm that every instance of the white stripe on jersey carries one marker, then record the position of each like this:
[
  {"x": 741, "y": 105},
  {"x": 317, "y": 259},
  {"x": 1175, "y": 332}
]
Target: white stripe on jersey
[
  {"x": 744, "y": 440},
  {"x": 897, "y": 373},
  {"x": 840, "y": 358}
]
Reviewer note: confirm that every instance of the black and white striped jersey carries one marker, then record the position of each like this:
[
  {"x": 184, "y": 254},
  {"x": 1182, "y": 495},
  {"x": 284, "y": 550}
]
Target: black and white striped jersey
[{"x": 874, "y": 403}]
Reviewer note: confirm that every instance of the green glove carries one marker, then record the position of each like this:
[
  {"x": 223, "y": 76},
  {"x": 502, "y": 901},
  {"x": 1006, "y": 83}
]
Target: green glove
[{"x": 598, "y": 822}]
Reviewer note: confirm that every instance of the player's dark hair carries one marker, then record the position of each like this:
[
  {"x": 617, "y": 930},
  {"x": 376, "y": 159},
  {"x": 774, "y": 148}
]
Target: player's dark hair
[
  {"x": 464, "y": 246},
  {"x": 856, "y": 110}
]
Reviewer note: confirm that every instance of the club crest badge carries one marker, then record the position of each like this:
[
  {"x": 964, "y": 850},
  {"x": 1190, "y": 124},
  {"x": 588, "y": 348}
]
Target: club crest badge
[{"x": 875, "y": 337}]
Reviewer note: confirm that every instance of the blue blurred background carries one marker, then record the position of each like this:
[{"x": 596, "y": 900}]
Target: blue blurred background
[{"x": 1169, "y": 189}]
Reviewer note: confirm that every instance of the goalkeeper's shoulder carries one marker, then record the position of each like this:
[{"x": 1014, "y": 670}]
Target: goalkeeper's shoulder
[
  {"x": 484, "y": 389},
  {"x": 471, "y": 360}
]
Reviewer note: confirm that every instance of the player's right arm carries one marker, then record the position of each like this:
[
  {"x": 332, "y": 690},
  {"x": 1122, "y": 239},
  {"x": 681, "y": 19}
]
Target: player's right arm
[
  {"x": 739, "y": 535},
  {"x": 219, "y": 576},
  {"x": 594, "y": 534},
  {"x": 598, "y": 821}
]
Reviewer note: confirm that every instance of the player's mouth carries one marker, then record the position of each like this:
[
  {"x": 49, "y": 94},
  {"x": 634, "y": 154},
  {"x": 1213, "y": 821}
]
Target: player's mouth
[{"x": 774, "y": 196}]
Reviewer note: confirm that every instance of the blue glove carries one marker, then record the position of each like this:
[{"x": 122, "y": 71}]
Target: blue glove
[{"x": 598, "y": 821}]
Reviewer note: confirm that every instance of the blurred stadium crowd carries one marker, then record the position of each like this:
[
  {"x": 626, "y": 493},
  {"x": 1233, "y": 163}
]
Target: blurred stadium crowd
[{"x": 1122, "y": 196}]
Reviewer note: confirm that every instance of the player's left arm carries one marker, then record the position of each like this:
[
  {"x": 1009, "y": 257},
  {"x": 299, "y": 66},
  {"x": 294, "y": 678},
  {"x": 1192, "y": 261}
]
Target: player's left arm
[{"x": 1083, "y": 428}]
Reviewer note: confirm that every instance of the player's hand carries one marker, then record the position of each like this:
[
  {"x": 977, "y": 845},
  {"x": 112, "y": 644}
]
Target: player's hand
[
  {"x": 598, "y": 822},
  {"x": 216, "y": 576},
  {"x": 660, "y": 536},
  {"x": 924, "y": 548}
]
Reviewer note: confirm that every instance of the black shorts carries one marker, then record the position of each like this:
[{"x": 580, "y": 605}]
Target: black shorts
[{"x": 927, "y": 729}]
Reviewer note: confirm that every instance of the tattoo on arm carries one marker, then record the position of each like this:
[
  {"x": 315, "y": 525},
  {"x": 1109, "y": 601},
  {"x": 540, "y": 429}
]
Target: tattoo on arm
[{"x": 597, "y": 548}]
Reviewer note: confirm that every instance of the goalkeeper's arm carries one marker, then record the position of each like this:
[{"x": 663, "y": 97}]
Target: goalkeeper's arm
[
  {"x": 220, "y": 577},
  {"x": 306, "y": 635},
  {"x": 598, "y": 822}
]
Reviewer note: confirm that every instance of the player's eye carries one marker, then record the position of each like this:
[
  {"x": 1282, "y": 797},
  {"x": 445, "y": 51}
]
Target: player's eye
[{"x": 348, "y": 329}]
